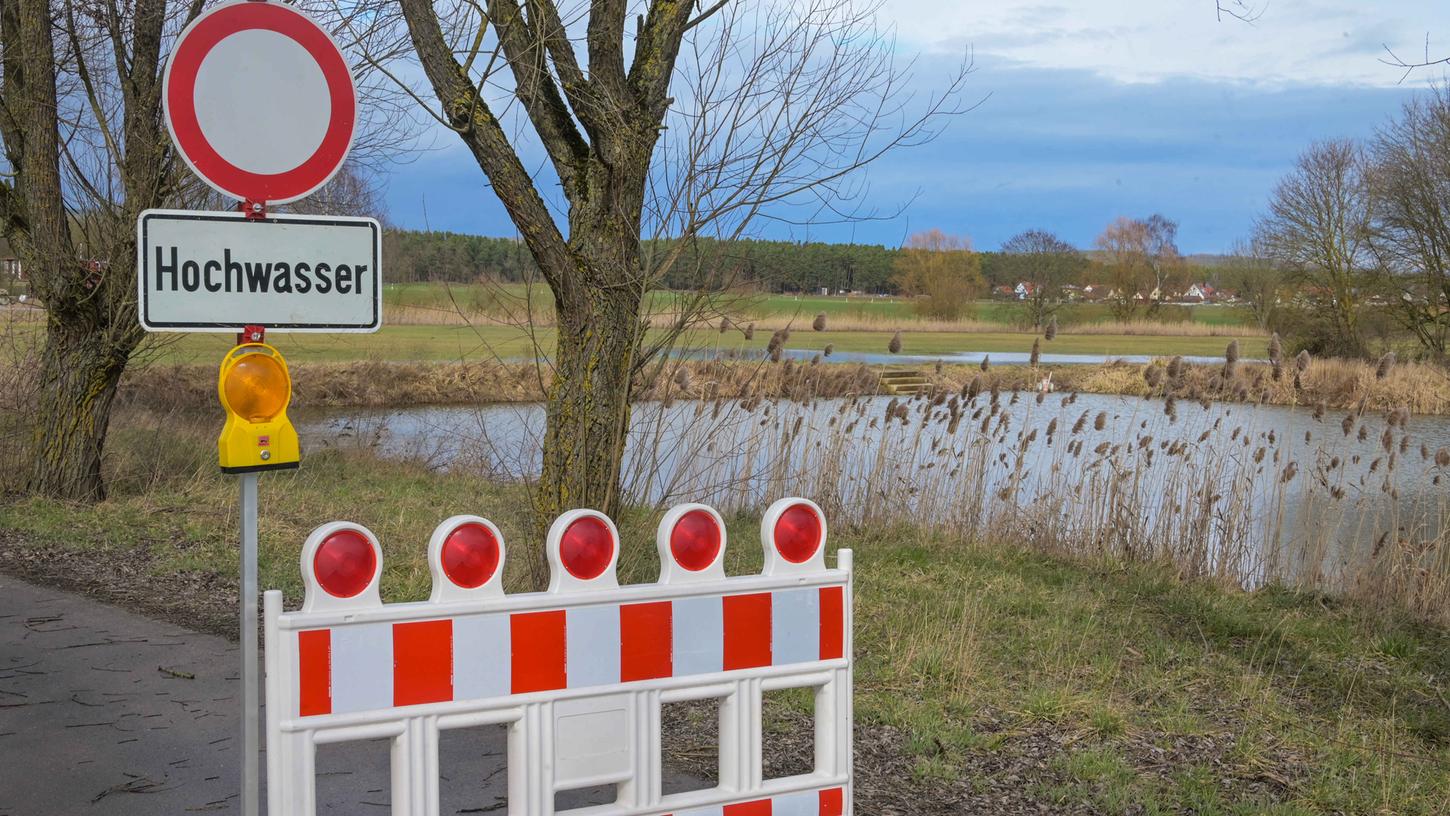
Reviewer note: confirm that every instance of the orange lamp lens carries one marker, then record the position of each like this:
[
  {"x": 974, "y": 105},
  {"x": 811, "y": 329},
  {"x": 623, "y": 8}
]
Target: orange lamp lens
[{"x": 257, "y": 388}]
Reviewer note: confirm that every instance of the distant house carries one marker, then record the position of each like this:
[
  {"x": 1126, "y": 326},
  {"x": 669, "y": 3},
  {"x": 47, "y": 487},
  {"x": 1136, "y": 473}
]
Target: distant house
[
  {"x": 1094, "y": 292},
  {"x": 9, "y": 264},
  {"x": 1004, "y": 291},
  {"x": 1199, "y": 293},
  {"x": 1022, "y": 291}
]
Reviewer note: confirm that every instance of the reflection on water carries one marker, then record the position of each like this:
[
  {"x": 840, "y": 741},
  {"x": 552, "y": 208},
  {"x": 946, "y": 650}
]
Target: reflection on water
[{"x": 1245, "y": 491}]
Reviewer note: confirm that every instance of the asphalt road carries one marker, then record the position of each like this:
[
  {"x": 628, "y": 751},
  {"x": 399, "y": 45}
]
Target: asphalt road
[{"x": 107, "y": 712}]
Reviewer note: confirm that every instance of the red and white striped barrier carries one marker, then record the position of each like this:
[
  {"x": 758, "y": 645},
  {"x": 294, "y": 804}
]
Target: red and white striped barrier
[{"x": 579, "y": 672}]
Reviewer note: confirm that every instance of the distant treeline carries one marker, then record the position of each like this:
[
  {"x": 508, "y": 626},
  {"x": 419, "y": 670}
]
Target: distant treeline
[{"x": 779, "y": 266}]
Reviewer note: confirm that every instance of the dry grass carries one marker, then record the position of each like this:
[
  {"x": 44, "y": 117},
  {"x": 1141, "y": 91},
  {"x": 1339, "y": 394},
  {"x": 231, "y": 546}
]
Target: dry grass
[
  {"x": 1336, "y": 384},
  {"x": 514, "y": 313}
]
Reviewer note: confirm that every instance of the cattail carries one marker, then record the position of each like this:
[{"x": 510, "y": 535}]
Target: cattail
[
  {"x": 1081, "y": 421},
  {"x": 986, "y": 361},
  {"x": 819, "y": 324},
  {"x": 1386, "y": 363},
  {"x": 775, "y": 354},
  {"x": 1442, "y": 458},
  {"x": 1301, "y": 362},
  {"x": 1036, "y": 353},
  {"x": 682, "y": 379},
  {"x": 937, "y": 368},
  {"x": 1051, "y": 332},
  {"x": 1041, "y": 395},
  {"x": 777, "y": 339},
  {"x": 895, "y": 345},
  {"x": 1276, "y": 349},
  {"x": 816, "y": 360},
  {"x": 1363, "y": 433},
  {"x": 1153, "y": 375},
  {"x": 1319, "y": 408},
  {"x": 973, "y": 388},
  {"x": 750, "y": 332},
  {"x": 1170, "y": 408},
  {"x": 724, "y": 324},
  {"x": 1101, "y": 421},
  {"x": 830, "y": 347},
  {"x": 1175, "y": 369},
  {"x": 1230, "y": 359},
  {"x": 1289, "y": 472}
]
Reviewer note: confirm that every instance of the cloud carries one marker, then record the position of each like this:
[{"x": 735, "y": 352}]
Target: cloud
[
  {"x": 1201, "y": 136},
  {"x": 1291, "y": 42}
]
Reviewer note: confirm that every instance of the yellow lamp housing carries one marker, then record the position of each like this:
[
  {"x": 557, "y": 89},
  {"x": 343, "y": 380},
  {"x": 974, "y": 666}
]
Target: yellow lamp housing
[{"x": 255, "y": 388}]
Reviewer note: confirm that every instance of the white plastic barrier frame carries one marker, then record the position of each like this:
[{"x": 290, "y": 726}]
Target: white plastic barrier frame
[{"x": 578, "y": 673}]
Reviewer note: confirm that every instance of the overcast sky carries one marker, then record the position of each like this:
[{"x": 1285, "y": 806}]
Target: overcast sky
[{"x": 1092, "y": 110}]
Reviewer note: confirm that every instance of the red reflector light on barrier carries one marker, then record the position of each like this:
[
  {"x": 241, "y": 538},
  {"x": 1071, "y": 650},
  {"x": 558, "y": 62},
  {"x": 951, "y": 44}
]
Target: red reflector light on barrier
[
  {"x": 695, "y": 540},
  {"x": 470, "y": 555},
  {"x": 798, "y": 533},
  {"x": 587, "y": 547},
  {"x": 345, "y": 563}
]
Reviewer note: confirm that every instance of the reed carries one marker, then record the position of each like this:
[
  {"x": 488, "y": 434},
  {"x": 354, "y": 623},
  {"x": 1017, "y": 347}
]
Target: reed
[
  {"x": 1222, "y": 493},
  {"x": 1321, "y": 385}
]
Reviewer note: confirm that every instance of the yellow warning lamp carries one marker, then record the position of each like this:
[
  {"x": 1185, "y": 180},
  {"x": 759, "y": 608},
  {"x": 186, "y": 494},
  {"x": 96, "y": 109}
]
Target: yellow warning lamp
[{"x": 254, "y": 388}]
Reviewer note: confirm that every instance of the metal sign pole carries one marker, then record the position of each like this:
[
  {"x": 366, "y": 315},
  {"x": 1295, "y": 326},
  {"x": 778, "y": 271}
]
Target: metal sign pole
[{"x": 249, "y": 644}]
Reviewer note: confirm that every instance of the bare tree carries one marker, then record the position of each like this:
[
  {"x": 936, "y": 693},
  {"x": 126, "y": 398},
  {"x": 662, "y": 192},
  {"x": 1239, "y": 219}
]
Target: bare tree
[
  {"x": 1046, "y": 263},
  {"x": 80, "y": 117},
  {"x": 687, "y": 122},
  {"x": 942, "y": 271},
  {"x": 1240, "y": 10},
  {"x": 1410, "y": 180},
  {"x": 1161, "y": 246},
  {"x": 1258, "y": 281},
  {"x": 1318, "y": 229},
  {"x": 1125, "y": 243}
]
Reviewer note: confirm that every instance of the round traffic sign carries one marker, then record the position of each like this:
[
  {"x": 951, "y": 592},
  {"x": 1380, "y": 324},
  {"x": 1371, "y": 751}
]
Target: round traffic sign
[{"x": 259, "y": 101}]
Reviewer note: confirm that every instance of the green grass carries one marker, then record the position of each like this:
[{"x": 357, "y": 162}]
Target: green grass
[
  {"x": 1150, "y": 694},
  {"x": 454, "y": 343},
  {"x": 451, "y": 296}
]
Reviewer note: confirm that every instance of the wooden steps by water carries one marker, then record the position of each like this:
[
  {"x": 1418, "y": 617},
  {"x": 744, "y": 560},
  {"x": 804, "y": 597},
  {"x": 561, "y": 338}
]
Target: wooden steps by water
[{"x": 899, "y": 382}]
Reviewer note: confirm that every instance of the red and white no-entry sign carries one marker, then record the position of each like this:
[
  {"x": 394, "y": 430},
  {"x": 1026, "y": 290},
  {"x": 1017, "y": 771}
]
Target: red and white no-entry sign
[{"x": 259, "y": 101}]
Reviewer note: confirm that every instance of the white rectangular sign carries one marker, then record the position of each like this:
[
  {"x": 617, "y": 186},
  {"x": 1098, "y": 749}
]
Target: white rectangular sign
[{"x": 217, "y": 271}]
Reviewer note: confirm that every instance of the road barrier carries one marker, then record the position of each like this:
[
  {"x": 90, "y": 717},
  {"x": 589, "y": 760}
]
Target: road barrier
[{"x": 578, "y": 673}]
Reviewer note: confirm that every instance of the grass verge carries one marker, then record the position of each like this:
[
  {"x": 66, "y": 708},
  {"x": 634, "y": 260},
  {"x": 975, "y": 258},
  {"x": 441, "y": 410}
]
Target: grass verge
[{"x": 989, "y": 680}]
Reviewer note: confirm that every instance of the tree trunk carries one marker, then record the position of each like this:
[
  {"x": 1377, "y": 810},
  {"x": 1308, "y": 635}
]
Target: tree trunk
[
  {"x": 80, "y": 369},
  {"x": 599, "y": 333}
]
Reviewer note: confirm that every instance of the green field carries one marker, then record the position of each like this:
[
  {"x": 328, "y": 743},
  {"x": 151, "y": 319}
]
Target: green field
[{"x": 444, "y": 343}]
